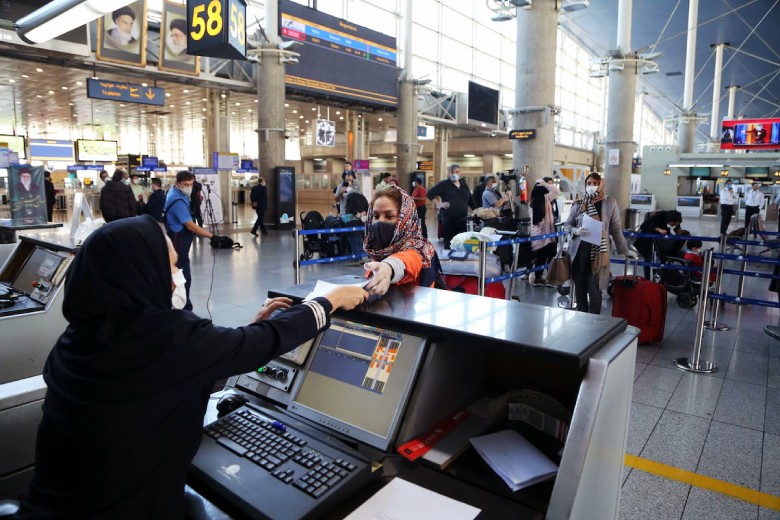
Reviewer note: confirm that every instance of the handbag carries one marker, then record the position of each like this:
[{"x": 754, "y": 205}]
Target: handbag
[{"x": 560, "y": 269}]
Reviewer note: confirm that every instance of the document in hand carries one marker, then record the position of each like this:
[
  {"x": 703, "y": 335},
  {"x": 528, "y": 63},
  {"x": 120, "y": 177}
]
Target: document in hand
[
  {"x": 594, "y": 228},
  {"x": 514, "y": 459}
]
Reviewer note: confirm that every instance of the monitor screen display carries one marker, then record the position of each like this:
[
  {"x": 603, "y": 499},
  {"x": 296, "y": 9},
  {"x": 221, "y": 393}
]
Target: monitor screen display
[
  {"x": 483, "y": 104},
  {"x": 40, "y": 264},
  {"x": 753, "y": 172},
  {"x": 700, "y": 171},
  {"x": 744, "y": 134},
  {"x": 92, "y": 150},
  {"x": 641, "y": 200},
  {"x": 358, "y": 381},
  {"x": 15, "y": 144}
]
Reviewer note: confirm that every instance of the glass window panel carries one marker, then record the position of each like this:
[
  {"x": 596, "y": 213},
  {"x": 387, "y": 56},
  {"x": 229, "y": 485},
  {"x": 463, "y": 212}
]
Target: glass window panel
[
  {"x": 507, "y": 74},
  {"x": 424, "y": 43},
  {"x": 488, "y": 40},
  {"x": 373, "y": 17},
  {"x": 423, "y": 68},
  {"x": 455, "y": 80},
  {"x": 426, "y": 12},
  {"x": 455, "y": 24},
  {"x": 455, "y": 54}
]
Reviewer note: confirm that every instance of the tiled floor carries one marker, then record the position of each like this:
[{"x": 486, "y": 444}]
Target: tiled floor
[{"x": 724, "y": 425}]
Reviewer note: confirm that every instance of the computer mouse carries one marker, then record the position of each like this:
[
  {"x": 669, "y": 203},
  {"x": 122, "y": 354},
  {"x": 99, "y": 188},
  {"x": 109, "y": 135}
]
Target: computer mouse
[{"x": 229, "y": 402}]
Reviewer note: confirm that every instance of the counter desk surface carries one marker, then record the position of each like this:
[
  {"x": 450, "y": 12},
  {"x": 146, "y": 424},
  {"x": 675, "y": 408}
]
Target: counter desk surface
[{"x": 547, "y": 333}]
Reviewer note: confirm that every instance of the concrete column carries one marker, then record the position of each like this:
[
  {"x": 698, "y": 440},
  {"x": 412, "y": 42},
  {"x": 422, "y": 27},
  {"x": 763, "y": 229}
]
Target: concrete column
[
  {"x": 219, "y": 141},
  {"x": 715, "y": 113},
  {"x": 732, "y": 98},
  {"x": 620, "y": 131},
  {"x": 535, "y": 87},
  {"x": 686, "y": 127},
  {"x": 355, "y": 125},
  {"x": 270, "y": 109},
  {"x": 406, "y": 115},
  {"x": 440, "y": 151},
  {"x": 491, "y": 164}
]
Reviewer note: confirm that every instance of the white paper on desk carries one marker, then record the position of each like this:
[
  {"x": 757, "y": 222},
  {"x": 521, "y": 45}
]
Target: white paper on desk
[
  {"x": 402, "y": 500},
  {"x": 322, "y": 288},
  {"x": 594, "y": 230},
  {"x": 514, "y": 459}
]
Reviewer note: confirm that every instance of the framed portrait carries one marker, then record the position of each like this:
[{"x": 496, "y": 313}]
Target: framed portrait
[
  {"x": 173, "y": 41},
  {"x": 26, "y": 194},
  {"x": 121, "y": 35}
]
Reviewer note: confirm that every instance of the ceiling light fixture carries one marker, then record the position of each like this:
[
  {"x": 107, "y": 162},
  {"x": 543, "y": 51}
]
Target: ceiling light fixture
[{"x": 667, "y": 171}]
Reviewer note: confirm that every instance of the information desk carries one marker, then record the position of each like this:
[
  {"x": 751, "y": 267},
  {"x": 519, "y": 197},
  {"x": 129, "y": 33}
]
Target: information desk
[
  {"x": 31, "y": 320},
  {"x": 478, "y": 350}
]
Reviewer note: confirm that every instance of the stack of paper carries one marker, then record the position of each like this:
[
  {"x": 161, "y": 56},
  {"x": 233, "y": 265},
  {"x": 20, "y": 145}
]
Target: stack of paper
[{"x": 514, "y": 459}]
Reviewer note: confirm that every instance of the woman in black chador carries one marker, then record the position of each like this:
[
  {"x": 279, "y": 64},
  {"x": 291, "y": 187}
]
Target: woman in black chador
[{"x": 129, "y": 379}]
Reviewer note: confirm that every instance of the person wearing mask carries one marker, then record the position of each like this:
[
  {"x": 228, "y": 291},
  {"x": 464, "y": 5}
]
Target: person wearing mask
[
  {"x": 543, "y": 223},
  {"x": 658, "y": 223},
  {"x": 384, "y": 182},
  {"x": 156, "y": 203},
  {"x": 104, "y": 178},
  {"x": 419, "y": 195},
  {"x": 139, "y": 192},
  {"x": 181, "y": 226},
  {"x": 123, "y": 413},
  {"x": 590, "y": 262},
  {"x": 348, "y": 185},
  {"x": 116, "y": 198},
  {"x": 754, "y": 202},
  {"x": 51, "y": 195},
  {"x": 259, "y": 199},
  {"x": 727, "y": 202},
  {"x": 399, "y": 253},
  {"x": 554, "y": 201},
  {"x": 491, "y": 198},
  {"x": 453, "y": 199}
]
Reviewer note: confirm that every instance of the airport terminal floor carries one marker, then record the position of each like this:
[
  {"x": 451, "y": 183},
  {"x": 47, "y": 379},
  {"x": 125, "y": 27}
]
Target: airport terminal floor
[{"x": 699, "y": 445}]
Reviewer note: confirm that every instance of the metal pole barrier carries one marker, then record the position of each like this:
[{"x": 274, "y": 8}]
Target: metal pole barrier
[
  {"x": 695, "y": 363},
  {"x": 297, "y": 262},
  {"x": 482, "y": 267},
  {"x": 741, "y": 285},
  {"x": 713, "y": 324},
  {"x": 515, "y": 252}
]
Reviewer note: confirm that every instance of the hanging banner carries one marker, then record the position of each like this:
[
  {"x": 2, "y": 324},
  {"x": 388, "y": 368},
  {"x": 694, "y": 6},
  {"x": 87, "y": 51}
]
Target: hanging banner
[
  {"x": 326, "y": 132},
  {"x": 211, "y": 201},
  {"x": 121, "y": 35},
  {"x": 173, "y": 41},
  {"x": 26, "y": 194}
]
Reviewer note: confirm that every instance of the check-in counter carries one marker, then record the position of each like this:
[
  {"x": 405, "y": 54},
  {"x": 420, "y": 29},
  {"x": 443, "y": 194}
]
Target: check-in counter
[{"x": 486, "y": 349}]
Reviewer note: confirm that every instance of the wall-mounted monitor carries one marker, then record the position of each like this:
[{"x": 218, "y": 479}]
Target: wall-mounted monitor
[
  {"x": 744, "y": 134},
  {"x": 482, "y": 105},
  {"x": 94, "y": 150},
  {"x": 358, "y": 381},
  {"x": 753, "y": 172},
  {"x": 16, "y": 143},
  {"x": 700, "y": 171},
  {"x": 51, "y": 150},
  {"x": 338, "y": 59}
]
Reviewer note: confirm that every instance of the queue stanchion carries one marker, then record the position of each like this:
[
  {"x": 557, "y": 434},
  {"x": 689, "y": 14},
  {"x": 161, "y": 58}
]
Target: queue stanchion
[
  {"x": 515, "y": 252},
  {"x": 297, "y": 262},
  {"x": 695, "y": 363},
  {"x": 482, "y": 267},
  {"x": 713, "y": 324},
  {"x": 741, "y": 283}
]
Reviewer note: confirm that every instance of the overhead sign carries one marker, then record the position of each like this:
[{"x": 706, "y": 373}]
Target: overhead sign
[
  {"x": 523, "y": 135},
  {"x": 126, "y": 92},
  {"x": 150, "y": 162},
  {"x": 426, "y": 166},
  {"x": 216, "y": 28},
  {"x": 225, "y": 161},
  {"x": 85, "y": 167}
]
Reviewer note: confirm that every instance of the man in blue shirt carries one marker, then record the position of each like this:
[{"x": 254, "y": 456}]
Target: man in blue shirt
[{"x": 180, "y": 225}]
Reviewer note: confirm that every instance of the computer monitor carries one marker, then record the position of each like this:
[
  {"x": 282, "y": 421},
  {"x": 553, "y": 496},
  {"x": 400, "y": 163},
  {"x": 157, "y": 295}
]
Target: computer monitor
[
  {"x": 41, "y": 264},
  {"x": 358, "y": 380}
]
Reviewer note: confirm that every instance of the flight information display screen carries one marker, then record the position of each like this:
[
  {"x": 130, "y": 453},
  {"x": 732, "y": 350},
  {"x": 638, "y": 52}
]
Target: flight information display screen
[
  {"x": 339, "y": 60},
  {"x": 358, "y": 380}
]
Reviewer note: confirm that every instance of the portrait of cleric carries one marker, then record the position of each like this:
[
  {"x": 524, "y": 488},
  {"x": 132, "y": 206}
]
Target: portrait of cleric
[
  {"x": 28, "y": 203},
  {"x": 173, "y": 32},
  {"x": 123, "y": 32},
  {"x": 176, "y": 39}
]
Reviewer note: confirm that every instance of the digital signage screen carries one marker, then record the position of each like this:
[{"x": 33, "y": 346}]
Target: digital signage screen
[
  {"x": 753, "y": 172},
  {"x": 483, "y": 104},
  {"x": 93, "y": 150},
  {"x": 338, "y": 59},
  {"x": 700, "y": 171},
  {"x": 743, "y": 134},
  {"x": 15, "y": 144}
]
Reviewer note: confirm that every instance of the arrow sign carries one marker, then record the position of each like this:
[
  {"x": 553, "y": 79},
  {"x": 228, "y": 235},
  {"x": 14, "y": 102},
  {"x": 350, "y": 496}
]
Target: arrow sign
[{"x": 125, "y": 92}]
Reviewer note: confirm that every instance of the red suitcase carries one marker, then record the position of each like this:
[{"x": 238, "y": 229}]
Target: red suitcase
[
  {"x": 468, "y": 284},
  {"x": 642, "y": 304}
]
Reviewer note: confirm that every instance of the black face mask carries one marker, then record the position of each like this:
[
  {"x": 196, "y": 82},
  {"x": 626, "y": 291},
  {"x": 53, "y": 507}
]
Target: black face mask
[{"x": 383, "y": 234}]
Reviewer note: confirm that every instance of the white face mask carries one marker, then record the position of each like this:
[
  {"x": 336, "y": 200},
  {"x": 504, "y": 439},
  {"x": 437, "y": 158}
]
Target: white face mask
[
  {"x": 126, "y": 182},
  {"x": 136, "y": 181},
  {"x": 187, "y": 191},
  {"x": 179, "y": 296},
  {"x": 591, "y": 190},
  {"x": 454, "y": 177}
]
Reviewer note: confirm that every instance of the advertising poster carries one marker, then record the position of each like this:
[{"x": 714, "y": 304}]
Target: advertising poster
[
  {"x": 26, "y": 194},
  {"x": 173, "y": 41},
  {"x": 121, "y": 35}
]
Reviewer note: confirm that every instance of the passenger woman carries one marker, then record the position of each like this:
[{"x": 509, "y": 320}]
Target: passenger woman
[
  {"x": 659, "y": 223},
  {"x": 129, "y": 379},
  {"x": 590, "y": 262},
  {"x": 399, "y": 253}
]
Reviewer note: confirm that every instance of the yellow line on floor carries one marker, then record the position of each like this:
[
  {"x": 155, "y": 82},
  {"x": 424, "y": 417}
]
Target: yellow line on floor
[{"x": 694, "y": 479}]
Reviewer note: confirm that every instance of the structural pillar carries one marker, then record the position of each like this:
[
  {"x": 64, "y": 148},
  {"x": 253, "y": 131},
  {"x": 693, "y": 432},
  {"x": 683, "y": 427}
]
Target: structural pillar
[
  {"x": 686, "y": 127},
  {"x": 440, "y": 152},
  {"x": 270, "y": 108},
  {"x": 537, "y": 30},
  {"x": 732, "y": 99},
  {"x": 406, "y": 115},
  {"x": 219, "y": 141},
  {"x": 619, "y": 144},
  {"x": 715, "y": 113}
]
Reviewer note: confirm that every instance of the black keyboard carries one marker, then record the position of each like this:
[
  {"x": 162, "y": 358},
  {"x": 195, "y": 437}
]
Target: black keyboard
[{"x": 269, "y": 469}]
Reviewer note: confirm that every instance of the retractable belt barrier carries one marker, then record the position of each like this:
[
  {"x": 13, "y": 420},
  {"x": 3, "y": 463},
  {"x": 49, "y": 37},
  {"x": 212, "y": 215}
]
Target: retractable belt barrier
[{"x": 632, "y": 234}]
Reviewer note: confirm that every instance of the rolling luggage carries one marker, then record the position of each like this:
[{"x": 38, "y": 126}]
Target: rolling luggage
[{"x": 642, "y": 304}]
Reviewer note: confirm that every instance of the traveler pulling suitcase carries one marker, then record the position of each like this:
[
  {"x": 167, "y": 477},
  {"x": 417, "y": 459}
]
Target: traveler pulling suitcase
[{"x": 642, "y": 304}]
